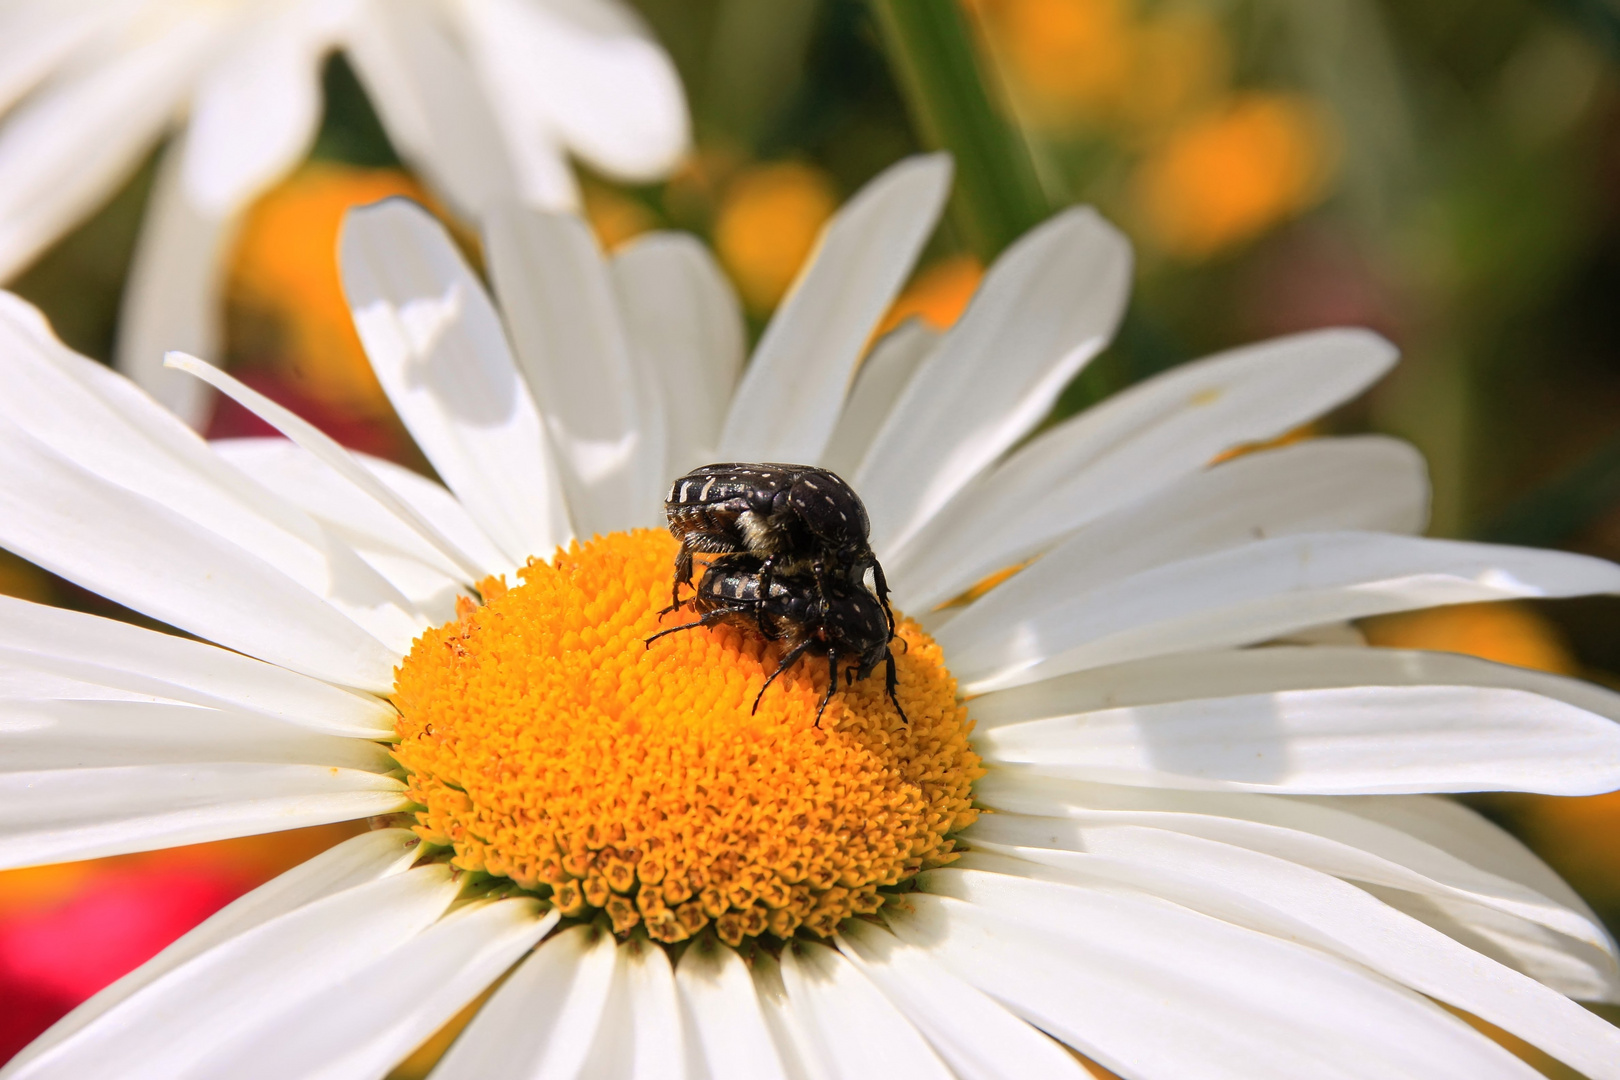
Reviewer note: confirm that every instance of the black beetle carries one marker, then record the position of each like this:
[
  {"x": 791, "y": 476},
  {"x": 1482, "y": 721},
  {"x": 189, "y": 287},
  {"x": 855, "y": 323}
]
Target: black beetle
[
  {"x": 795, "y": 519},
  {"x": 835, "y": 619}
]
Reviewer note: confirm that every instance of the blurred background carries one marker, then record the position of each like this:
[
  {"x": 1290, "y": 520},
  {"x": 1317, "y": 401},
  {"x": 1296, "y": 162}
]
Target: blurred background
[{"x": 1446, "y": 172}]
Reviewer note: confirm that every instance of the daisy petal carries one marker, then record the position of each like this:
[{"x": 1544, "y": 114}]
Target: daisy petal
[
  {"x": 639, "y": 1037},
  {"x": 687, "y": 336},
  {"x": 726, "y": 1036},
  {"x": 586, "y": 74},
  {"x": 1574, "y": 968},
  {"x": 884, "y": 373},
  {"x": 330, "y": 453},
  {"x": 285, "y": 961},
  {"x": 566, "y": 332},
  {"x": 1334, "y": 835},
  {"x": 543, "y": 1019},
  {"x": 45, "y": 735},
  {"x": 429, "y": 101},
  {"x": 399, "y": 554},
  {"x": 36, "y": 36},
  {"x": 853, "y": 1026},
  {"x": 1362, "y": 740},
  {"x": 75, "y": 139},
  {"x": 788, "y": 402},
  {"x": 438, "y": 349},
  {"x": 794, "y": 1042},
  {"x": 1277, "y": 897},
  {"x": 1367, "y": 483},
  {"x": 1155, "y": 991},
  {"x": 1024, "y": 631},
  {"x": 977, "y": 1037},
  {"x": 135, "y": 662},
  {"x": 255, "y": 110},
  {"x": 172, "y": 299},
  {"x": 1048, "y": 305},
  {"x": 356, "y": 861},
  {"x": 1134, "y": 443},
  {"x": 70, "y": 814},
  {"x": 365, "y": 1023},
  {"x": 61, "y": 516}
]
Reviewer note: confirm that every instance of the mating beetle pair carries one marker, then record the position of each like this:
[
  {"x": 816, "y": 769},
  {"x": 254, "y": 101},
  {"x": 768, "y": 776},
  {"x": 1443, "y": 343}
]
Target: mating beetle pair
[{"x": 793, "y": 550}]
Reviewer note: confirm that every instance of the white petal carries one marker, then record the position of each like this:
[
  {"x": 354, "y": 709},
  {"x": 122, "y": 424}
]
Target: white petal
[
  {"x": 38, "y": 35},
  {"x": 356, "y": 861},
  {"x": 272, "y": 966},
  {"x": 1295, "y": 903},
  {"x": 790, "y": 396},
  {"x": 1368, "y": 483},
  {"x": 977, "y": 1037},
  {"x": 415, "y": 567},
  {"x": 174, "y": 294},
  {"x": 788, "y": 1026},
  {"x": 42, "y": 735},
  {"x": 726, "y": 1037},
  {"x": 854, "y": 1027},
  {"x": 1048, "y": 305},
  {"x": 687, "y": 336},
  {"x": 76, "y": 138},
  {"x": 1364, "y": 740},
  {"x": 255, "y": 110},
  {"x": 330, "y": 453},
  {"x": 62, "y": 517},
  {"x": 371, "y": 1019},
  {"x": 1129, "y": 446},
  {"x": 541, "y": 1022},
  {"x": 640, "y": 1036},
  {"x": 1155, "y": 991},
  {"x": 553, "y": 285},
  {"x": 586, "y": 74},
  {"x": 1022, "y": 632},
  {"x": 438, "y": 349},
  {"x": 143, "y": 663},
  {"x": 69, "y": 814},
  {"x": 1335, "y": 835},
  {"x": 430, "y": 103},
  {"x": 1574, "y": 968},
  {"x": 878, "y": 384}
]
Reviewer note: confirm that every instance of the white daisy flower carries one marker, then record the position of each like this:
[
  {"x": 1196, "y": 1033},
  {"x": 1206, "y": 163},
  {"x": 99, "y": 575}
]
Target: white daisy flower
[
  {"x": 485, "y": 98},
  {"x": 1187, "y": 838}
]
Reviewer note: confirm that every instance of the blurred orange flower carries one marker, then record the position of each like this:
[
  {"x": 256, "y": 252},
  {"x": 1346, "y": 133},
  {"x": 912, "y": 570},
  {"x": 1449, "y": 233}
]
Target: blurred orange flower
[
  {"x": 1507, "y": 632},
  {"x": 285, "y": 299},
  {"x": 938, "y": 295},
  {"x": 1067, "y": 60},
  {"x": 1233, "y": 173},
  {"x": 769, "y": 219},
  {"x": 615, "y": 217}
]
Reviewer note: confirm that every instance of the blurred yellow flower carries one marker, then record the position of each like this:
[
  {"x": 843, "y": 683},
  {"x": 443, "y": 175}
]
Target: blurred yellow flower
[
  {"x": 938, "y": 295},
  {"x": 1507, "y": 632},
  {"x": 1067, "y": 60},
  {"x": 767, "y": 226},
  {"x": 1231, "y": 174},
  {"x": 285, "y": 303}
]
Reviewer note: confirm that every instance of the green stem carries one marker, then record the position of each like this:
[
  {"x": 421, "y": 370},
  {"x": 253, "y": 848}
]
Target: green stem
[{"x": 930, "y": 47}]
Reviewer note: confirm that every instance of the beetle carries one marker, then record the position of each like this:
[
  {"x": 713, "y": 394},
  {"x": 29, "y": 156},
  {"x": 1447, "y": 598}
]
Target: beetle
[
  {"x": 835, "y": 619},
  {"x": 795, "y": 519}
]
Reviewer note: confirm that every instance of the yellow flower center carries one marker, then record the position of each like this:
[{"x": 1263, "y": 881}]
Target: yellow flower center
[{"x": 548, "y": 744}]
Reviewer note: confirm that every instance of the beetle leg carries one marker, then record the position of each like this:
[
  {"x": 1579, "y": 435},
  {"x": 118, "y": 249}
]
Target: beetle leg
[
  {"x": 889, "y": 683},
  {"x": 683, "y": 576},
  {"x": 709, "y": 619},
  {"x": 788, "y": 660},
  {"x": 832, "y": 682},
  {"x": 883, "y": 593}
]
